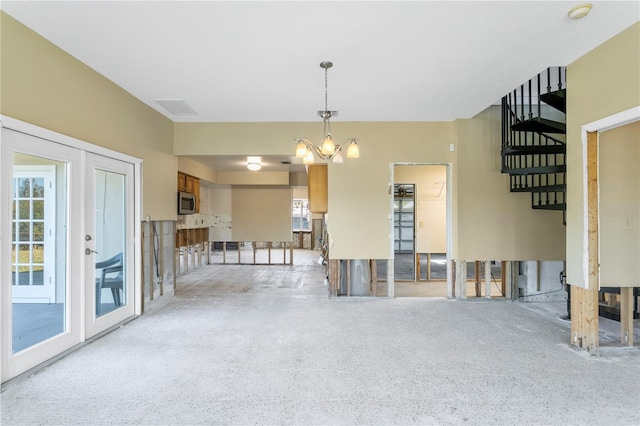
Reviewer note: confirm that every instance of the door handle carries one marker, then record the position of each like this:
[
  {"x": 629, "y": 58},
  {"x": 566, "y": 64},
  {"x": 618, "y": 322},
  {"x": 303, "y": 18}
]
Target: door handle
[{"x": 88, "y": 251}]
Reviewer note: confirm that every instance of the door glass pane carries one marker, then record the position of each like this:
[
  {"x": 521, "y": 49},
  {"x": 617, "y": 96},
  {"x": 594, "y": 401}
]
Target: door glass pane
[
  {"x": 38, "y": 254},
  {"x": 110, "y": 229}
]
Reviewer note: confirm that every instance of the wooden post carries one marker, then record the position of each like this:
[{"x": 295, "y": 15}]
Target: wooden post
[
  {"x": 428, "y": 266},
  {"x": 224, "y": 252},
  {"x": 348, "y": 277},
  {"x": 478, "y": 280},
  {"x": 253, "y": 247},
  {"x": 417, "y": 266},
  {"x": 269, "y": 252},
  {"x": 291, "y": 253},
  {"x": 503, "y": 278},
  {"x": 626, "y": 316},
  {"x": 584, "y": 301},
  {"x": 374, "y": 275},
  {"x": 451, "y": 291},
  {"x": 507, "y": 276},
  {"x": 334, "y": 277},
  {"x": 487, "y": 279},
  {"x": 161, "y": 258},
  {"x": 461, "y": 279},
  {"x": 515, "y": 273}
]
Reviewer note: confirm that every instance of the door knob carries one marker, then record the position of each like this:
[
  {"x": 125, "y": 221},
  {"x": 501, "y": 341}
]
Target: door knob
[
  {"x": 89, "y": 251},
  {"x": 87, "y": 237}
]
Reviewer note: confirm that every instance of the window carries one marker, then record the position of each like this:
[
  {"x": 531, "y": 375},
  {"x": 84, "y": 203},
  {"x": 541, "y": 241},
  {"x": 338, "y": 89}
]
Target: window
[{"x": 301, "y": 215}]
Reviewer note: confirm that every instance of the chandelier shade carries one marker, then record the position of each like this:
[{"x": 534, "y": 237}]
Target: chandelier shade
[{"x": 328, "y": 150}]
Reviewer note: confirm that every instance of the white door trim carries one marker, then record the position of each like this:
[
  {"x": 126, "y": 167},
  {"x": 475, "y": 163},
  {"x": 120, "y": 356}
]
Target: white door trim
[{"x": 615, "y": 120}]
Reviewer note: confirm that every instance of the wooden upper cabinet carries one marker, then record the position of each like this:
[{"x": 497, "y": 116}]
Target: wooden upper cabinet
[
  {"x": 190, "y": 184},
  {"x": 182, "y": 182},
  {"x": 196, "y": 191},
  {"x": 317, "y": 186}
]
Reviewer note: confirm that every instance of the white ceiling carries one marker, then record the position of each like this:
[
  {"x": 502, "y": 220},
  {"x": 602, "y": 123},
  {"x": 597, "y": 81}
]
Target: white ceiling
[{"x": 244, "y": 61}]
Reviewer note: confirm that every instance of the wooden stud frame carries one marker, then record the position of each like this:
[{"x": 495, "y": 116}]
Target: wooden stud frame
[{"x": 584, "y": 301}]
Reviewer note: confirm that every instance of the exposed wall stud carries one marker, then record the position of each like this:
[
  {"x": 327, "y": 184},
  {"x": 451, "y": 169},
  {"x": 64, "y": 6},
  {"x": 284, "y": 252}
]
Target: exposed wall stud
[{"x": 487, "y": 279}]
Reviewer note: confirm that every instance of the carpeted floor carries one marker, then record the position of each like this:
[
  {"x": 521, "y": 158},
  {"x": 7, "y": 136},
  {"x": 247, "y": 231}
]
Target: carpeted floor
[{"x": 264, "y": 345}]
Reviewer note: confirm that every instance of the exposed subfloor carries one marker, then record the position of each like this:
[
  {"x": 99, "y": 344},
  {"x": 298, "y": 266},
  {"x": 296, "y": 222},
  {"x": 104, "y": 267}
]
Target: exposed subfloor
[{"x": 242, "y": 344}]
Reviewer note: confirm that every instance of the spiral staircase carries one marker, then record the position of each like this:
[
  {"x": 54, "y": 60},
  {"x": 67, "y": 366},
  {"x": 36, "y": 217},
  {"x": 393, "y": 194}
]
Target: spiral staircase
[{"x": 533, "y": 139}]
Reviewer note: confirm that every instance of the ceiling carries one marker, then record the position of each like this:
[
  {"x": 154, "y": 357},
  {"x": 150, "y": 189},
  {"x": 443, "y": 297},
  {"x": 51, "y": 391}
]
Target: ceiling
[{"x": 246, "y": 61}]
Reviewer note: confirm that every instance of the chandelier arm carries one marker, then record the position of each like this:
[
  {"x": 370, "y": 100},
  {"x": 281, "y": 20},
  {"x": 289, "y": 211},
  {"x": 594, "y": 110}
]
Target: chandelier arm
[
  {"x": 339, "y": 147},
  {"x": 311, "y": 146}
]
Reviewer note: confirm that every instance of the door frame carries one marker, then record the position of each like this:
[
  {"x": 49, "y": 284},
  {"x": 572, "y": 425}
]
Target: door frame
[
  {"x": 449, "y": 231},
  {"x": 76, "y": 248}
]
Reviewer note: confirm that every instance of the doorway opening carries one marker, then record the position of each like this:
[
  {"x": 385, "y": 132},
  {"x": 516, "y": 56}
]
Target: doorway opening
[{"x": 421, "y": 221}]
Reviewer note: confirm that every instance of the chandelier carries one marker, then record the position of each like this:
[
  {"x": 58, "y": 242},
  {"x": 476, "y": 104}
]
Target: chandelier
[{"x": 305, "y": 149}]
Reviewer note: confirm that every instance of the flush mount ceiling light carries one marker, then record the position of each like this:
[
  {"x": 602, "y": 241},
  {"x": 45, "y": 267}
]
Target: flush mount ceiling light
[
  {"x": 305, "y": 149},
  {"x": 254, "y": 163},
  {"x": 580, "y": 11}
]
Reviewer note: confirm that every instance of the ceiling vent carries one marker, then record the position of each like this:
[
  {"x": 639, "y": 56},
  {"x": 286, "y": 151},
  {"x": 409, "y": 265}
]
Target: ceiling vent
[{"x": 176, "y": 106}]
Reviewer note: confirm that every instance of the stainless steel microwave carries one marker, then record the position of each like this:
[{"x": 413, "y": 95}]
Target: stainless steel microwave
[{"x": 186, "y": 203}]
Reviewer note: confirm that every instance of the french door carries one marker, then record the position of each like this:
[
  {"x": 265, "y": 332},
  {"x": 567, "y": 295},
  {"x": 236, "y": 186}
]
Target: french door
[
  {"x": 108, "y": 243},
  {"x": 64, "y": 211}
]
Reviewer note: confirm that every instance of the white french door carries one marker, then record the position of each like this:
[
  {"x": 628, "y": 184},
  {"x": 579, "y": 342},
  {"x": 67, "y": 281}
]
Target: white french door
[
  {"x": 64, "y": 212},
  {"x": 109, "y": 244}
]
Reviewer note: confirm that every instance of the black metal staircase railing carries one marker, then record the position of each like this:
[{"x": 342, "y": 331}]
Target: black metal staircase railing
[{"x": 533, "y": 139}]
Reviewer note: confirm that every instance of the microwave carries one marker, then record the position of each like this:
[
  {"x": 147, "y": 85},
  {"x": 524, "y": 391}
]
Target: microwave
[{"x": 186, "y": 203}]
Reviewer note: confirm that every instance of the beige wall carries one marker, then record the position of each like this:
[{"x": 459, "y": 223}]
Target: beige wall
[
  {"x": 430, "y": 205},
  {"x": 261, "y": 214},
  {"x": 494, "y": 223},
  {"x": 193, "y": 168},
  {"x": 619, "y": 206},
  {"x": 599, "y": 84},
  {"x": 44, "y": 86},
  {"x": 489, "y": 222},
  {"x": 253, "y": 178}
]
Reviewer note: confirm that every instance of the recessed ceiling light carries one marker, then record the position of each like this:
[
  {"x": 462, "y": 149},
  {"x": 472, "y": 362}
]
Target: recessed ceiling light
[{"x": 580, "y": 11}]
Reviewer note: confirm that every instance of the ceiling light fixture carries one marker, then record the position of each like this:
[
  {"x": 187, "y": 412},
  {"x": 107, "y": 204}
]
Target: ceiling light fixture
[
  {"x": 254, "y": 163},
  {"x": 305, "y": 149},
  {"x": 580, "y": 11}
]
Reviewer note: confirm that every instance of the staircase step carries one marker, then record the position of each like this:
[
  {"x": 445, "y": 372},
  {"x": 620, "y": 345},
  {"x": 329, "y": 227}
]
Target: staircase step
[
  {"x": 548, "y": 188},
  {"x": 534, "y": 149},
  {"x": 540, "y": 125},
  {"x": 558, "y": 206},
  {"x": 536, "y": 170},
  {"x": 557, "y": 99}
]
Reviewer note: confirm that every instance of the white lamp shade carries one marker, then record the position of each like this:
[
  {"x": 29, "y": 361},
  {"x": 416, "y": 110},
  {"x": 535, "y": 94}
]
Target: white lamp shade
[
  {"x": 308, "y": 159},
  {"x": 301, "y": 149},
  {"x": 338, "y": 159},
  {"x": 328, "y": 147},
  {"x": 353, "y": 151}
]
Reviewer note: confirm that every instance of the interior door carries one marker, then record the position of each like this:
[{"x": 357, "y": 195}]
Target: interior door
[{"x": 109, "y": 243}]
